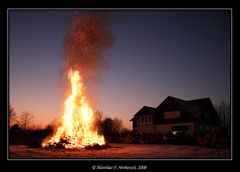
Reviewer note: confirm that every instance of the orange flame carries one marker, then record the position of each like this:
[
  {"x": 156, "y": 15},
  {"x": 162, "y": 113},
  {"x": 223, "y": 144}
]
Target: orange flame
[{"x": 77, "y": 122}]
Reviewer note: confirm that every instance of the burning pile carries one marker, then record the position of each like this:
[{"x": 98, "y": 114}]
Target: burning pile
[
  {"x": 76, "y": 131},
  {"x": 87, "y": 38}
]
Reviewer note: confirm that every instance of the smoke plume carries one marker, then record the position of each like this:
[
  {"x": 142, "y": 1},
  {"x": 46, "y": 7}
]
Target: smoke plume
[{"x": 88, "y": 37}]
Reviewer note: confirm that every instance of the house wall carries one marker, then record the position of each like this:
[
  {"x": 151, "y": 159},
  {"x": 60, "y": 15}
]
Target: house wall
[
  {"x": 145, "y": 129},
  {"x": 164, "y": 128},
  {"x": 207, "y": 127},
  {"x": 172, "y": 114}
]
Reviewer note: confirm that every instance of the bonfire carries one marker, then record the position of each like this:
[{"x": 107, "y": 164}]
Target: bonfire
[
  {"x": 76, "y": 130},
  {"x": 86, "y": 40}
]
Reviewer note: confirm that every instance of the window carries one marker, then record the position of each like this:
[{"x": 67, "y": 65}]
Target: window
[
  {"x": 172, "y": 114},
  {"x": 146, "y": 118},
  {"x": 142, "y": 120},
  {"x": 150, "y": 118}
]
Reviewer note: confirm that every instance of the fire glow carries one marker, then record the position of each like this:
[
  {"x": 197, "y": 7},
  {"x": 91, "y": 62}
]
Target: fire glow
[
  {"x": 77, "y": 126},
  {"x": 87, "y": 38}
]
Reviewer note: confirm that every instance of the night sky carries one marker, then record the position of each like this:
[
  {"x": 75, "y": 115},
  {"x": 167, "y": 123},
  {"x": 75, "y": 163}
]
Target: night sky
[{"x": 184, "y": 54}]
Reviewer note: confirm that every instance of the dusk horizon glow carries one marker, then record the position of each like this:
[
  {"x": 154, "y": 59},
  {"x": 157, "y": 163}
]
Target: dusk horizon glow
[{"x": 156, "y": 54}]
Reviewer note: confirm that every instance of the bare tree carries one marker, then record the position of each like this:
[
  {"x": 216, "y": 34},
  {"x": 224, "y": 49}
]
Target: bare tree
[
  {"x": 125, "y": 130},
  {"x": 37, "y": 127},
  {"x": 223, "y": 110},
  {"x": 112, "y": 126},
  {"x": 107, "y": 125},
  {"x": 12, "y": 116},
  {"x": 117, "y": 125},
  {"x": 25, "y": 120}
]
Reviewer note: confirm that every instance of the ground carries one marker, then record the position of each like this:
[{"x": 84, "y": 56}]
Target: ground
[{"x": 123, "y": 151}]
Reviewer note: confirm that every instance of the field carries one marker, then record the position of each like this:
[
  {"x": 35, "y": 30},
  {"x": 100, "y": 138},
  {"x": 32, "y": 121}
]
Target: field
[{"x": 122, "y": 151}]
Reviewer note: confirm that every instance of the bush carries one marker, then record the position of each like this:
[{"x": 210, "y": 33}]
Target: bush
[{"x": 32, "y": 137}]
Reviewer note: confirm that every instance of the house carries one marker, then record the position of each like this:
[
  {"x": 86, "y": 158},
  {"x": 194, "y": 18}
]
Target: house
[{"x": 175, "y": 114}]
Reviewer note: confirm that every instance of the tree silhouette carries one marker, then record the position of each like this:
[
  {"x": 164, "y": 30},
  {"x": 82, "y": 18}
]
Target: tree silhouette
[
  {"x": 12, "y": 116},
  {"x": 224, "y": 111},
  {"x": 111, "y": 127},
  {"x": 25, "y": 120},
  {"x": 117, "y": 125}
]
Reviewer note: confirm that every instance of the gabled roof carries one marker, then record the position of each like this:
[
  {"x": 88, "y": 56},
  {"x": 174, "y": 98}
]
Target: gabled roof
[
  {"x": 201, "y": 109},
  {"x": 205, "y": 105},
  {"x": 185, "y": 104},
  {"x": 144, "y": 110},
  {"x": 200, "y": 102}
]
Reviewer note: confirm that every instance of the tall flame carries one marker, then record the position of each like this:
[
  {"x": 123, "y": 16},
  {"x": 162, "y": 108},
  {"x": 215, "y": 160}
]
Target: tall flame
[{"x": 76, "y": 130}]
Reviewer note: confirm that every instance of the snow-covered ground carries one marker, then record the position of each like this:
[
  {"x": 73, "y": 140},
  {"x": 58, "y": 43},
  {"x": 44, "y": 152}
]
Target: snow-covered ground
[{"x": 123, "y": 151}]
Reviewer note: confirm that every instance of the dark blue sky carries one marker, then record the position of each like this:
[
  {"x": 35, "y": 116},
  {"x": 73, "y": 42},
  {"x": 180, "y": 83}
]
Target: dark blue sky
[{"x": 185, "y": 54}]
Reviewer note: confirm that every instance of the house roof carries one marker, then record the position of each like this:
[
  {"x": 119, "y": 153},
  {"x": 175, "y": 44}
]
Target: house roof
[
  {"x": 201, "y": 109},
  {"x": 185, "y": 104},
  {"x": 144, "y": 110},
  {"x": 205, "y": 106}
]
